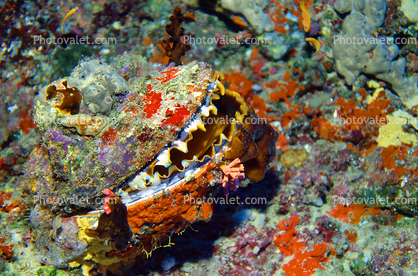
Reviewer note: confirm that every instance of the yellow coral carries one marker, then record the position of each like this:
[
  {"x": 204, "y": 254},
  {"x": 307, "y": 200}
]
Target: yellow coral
[
  {"x": 85, "y": 124},
  {"x": 370, "y": 99},
  {"x": 294, "y": 157},
  {"x": 392, "y": 133},
  {"x": 373, "y": 84},
  {"x": 97, "y": 249}
]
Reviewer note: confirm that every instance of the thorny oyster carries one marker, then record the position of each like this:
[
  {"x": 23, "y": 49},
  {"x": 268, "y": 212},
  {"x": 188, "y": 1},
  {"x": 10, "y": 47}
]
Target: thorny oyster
[{"x": 110, "y": 180}]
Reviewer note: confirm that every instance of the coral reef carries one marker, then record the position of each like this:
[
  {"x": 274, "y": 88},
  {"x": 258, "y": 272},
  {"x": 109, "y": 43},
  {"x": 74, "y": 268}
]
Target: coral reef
[
  {"x": 146, "y": 170},
  {"x": 253, "y": 13},
  {"x": 356, "y": 50}
]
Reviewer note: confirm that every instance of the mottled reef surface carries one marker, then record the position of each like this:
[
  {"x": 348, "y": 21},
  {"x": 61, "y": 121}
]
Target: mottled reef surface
[{"x": 339, "y": 197}]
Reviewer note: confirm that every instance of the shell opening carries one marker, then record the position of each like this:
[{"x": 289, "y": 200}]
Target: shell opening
[
  {"x": 215, "y": 124},
  {"x": 225, "y": 112}
]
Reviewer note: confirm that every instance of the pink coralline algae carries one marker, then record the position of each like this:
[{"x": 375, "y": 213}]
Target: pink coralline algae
[
  {"x": 232, "y": 173},
  {"x": 250, "y": 254}
]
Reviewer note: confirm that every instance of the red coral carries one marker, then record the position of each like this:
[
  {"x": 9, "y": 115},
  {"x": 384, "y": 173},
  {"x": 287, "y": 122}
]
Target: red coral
[
  {"x": 287, "y": 242},
  {"x": 239, "y": 83},
  {"x": 6, "y": 250},
  {"x": 392, "y": 153},
  {"x": 257, "y": 62},
  {"x": 6, "y": 205},
  {"x": 289, "y": 116},
  {"x": 303, "y": 263},
  {"x": 177, "y": 117},
  {"x": 360, "y": 125},
  {"x": 375, "y": 112},
  {"x": 282, "y": 143},
  {"x": 289, "y": 88},
  {"x": 259, "y": 106},
  {"x": 353, "y": 213},
  {"x": 26, "y": 124},
  {"x": 170, "y": 74},
  {"x": 152, "y": 102},
  {"x": 351, "y": 235},
  {"x": 110, "y": 135},
  {"x": 325, "y": 129},
  {"x": 306, "y": 263}
]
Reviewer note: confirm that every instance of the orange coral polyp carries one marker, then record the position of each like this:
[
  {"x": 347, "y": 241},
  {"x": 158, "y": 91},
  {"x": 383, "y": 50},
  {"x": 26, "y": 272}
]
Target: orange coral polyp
[
  {"x": 393, "y": 153},
  {"x": 239, "y": 83},
  {"x": 353, "y": 213},
  {"x": 286, "y": 240},
  {"x": 259, "y": 106},
  {"x": 287, "y": 90},
  {"x": 171, "y": 212},
  {"x": 306, "y": 263},
  {"x": 367, "y": 120}
]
